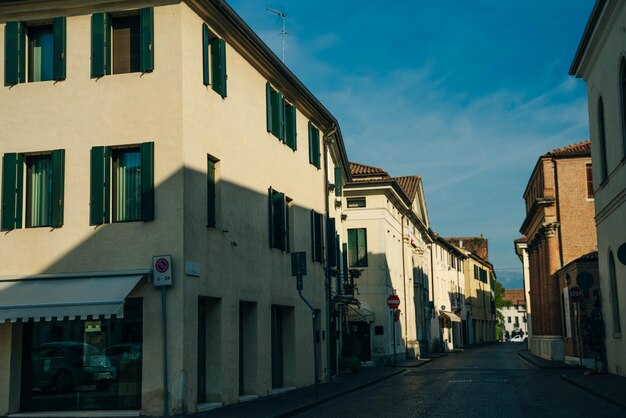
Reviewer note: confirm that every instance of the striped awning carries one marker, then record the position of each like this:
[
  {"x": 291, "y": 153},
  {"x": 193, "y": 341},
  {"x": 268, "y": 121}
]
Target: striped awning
[
  {"x": 65, "y": 297},
  {"x": 453, "y": 317}
]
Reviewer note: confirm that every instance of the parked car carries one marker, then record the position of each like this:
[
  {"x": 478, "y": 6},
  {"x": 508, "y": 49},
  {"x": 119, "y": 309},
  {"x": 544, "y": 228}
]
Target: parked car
[
  {"x": 518, "y": 339},
  {"x": 124, "y": 353},
  {"x": 65, "y": 365}
]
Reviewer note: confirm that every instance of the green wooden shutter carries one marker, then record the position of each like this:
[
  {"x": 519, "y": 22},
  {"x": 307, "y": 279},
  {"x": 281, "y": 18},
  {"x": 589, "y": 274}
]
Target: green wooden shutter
[
  {"x": 14, "y": 54},
  {"x": 12, "y": 190},
  {"x": 344, "y": 269},
  {"x": 310, "y": 126},
  {"x": 314, "y": 145},
  {"x": 99, "y": 46},
  {"x": 290, "y": 127},
  {"x": 278, "y": 200},
  {"x": 271, "y": 216},
  {"x": 268, "y": 103},
  {"x": 362, "y": 247},
  {"x": 338, "y": 181},
  {"x": 99, "y": 201},
  {"x": 313, "y": 237},
  {"x": 146, "y": 16},
  {"x": 278, "y": 109},
  {"x": 59, "y": 29},
  {"x": 205, "y": 55},
  {"x": 211, "y": 193},
  {"x": 352, "y": 247},
  {"x": 147, "y": 181},
  {"x": 58, "y": 187},
  {"x": 331, "y": 231},
  {"x": 218, "y": 66}
]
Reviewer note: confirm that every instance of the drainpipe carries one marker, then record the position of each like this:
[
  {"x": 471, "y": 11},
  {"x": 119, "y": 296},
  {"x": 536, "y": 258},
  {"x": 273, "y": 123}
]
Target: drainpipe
[
  {"x": 558, "y": 211},
  {"x": 327, "y": 140},
  {"x": 406, "y": 306}
]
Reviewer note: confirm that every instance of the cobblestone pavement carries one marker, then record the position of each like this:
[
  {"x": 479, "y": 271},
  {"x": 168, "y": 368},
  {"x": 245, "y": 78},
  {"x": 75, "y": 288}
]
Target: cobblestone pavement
[{"x": 489, "y": 381}]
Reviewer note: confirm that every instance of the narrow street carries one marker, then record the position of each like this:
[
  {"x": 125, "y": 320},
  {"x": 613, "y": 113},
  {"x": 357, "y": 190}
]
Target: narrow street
[{"x": 490, "y": 381}]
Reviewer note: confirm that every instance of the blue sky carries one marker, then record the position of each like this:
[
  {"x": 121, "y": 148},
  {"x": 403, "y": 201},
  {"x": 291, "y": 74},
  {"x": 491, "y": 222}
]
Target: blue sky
[{"x": 465, "y": 94}]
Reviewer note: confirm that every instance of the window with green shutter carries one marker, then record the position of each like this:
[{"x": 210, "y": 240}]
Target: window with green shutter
[
  {"x": 314, "y": 146},
  {"x": 276, "y": 109},
  {"x": 45, "y": 177},
  {"x": 357, "y": 247},
  {"x": 280, "y": 207},
  {"x": 43, "y": 43},
  {"x": 212, "y": 163},
  {"x": 122, "y": 42},
  {"x": 338, "y": 181},
  {"x": 331, "y": 247},
  {"x": 122, "y": 184},
  {"x": 214, "y": 61},
  {"x": 290, "y": 126},
  {"x": 316, "y": 236}
]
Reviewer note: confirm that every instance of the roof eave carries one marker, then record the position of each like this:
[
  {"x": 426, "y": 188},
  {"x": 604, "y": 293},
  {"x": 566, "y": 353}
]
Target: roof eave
[{"x": 590, "y": 28}]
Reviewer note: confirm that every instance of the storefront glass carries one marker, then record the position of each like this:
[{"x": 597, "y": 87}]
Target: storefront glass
[{"x": 78, "y": 365}]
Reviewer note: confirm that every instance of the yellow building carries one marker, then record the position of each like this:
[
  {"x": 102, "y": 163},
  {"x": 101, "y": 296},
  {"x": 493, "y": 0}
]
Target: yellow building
[
  {"x": 481, "y": 315},
  {"x": 135, "y": 129}
]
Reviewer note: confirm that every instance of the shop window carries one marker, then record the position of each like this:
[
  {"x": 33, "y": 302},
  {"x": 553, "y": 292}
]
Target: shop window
[{"x": 82, "y": 365}]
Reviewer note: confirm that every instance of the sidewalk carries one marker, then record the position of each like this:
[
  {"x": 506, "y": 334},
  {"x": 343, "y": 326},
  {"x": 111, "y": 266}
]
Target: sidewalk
[
  {"x": 609, "y": 387},
  {"x": 298, "y": 400}
]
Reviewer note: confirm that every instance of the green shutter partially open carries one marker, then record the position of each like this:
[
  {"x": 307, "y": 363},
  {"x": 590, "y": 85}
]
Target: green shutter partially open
[
  {"x": 331, "y": 231},
  {"x": 268, "y": 104},
  {"x": 211, "y": 197},
  {"x": 205, "y": 55},
  {"x": 146, "y": 16},
  {"x": 14, "y": 54},
  {"x": 278, "y": 201},
  {"x": 338, "y": 181},
  {"x": 59, "y": 29},
  {"x": 290, "y": 127},
  {"x": 147, "y": 181},
  {"x": 218, "y": 66},
  {"x": 58, "y": 188},
  {"x": 278, "y": 115},
  {"x": 99, "y": 201},
  {"x": 352, "y": 247},
  {"x": 271, "y": 216},
  {"x": 12, "y": 188},
  {"x": 99, "y": 45}
]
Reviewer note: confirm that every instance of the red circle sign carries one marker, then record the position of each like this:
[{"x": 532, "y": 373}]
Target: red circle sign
[
  {"x": 576, "y": 294},
  {"x": 393, "y": 301},
  {"x": 162, "y": 265}
]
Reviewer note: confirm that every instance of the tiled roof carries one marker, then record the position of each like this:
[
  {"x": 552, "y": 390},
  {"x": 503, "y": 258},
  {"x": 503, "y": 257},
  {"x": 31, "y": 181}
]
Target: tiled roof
[
  {"x": 409, "y": 184},
  {"x": 521, "y": 239},
  {"x": 516, "y": 296},
  {"x": 362, "y": 170},
  {"x": 579, "y": 148}
]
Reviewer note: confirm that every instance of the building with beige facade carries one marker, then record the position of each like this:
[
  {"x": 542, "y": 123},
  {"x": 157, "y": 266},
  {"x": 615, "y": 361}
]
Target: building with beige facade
[
  {"x": 385, "y": 225},
  {"x": 449, "y": 325},
  {"x": 601, "y": 61},
  {"x": 150, "y": 143},
  {"x": 514, "y": 315},
  {"x": 559, "y": 228}
]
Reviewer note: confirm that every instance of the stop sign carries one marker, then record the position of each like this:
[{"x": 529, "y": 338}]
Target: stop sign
[
  {"x": 393, "y": 301},
  {"x": 575, "y": 294}
]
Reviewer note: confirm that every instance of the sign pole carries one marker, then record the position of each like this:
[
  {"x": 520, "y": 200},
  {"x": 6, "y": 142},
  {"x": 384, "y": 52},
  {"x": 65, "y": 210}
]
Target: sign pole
[
  {"x": 580, "y": 342},
  {"x": 166, "y": 407},
  {"x": 393, "y": 321},
  {"x": 162, "y": 277}
]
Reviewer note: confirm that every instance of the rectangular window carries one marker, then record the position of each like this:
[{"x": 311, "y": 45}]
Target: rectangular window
[
  {"x": 279, "y": 220},
  {"x": 214, "y": 61},
  {"x": 508, "y": 319},
  {"x": 356, "y": 202},
  {"x": 45, "y": 176},
  {"x": 211, "y": 191},
  {"x": 122, "y": 42},
  {"x": 40, "y": 53},
  {"x": 314, "y": 145},
  {"x": 316, "y": 236},
  {"x": 589, "y": 181},
  {"x": 126, "y": 182},
  {"x": 357, "y": 247},
  {"x": 35, "y": 49},
  {"x": 125, "y": 176}
]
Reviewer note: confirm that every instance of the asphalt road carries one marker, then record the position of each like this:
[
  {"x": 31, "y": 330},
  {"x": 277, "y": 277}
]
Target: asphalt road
[{"x": 490, "y": 381}]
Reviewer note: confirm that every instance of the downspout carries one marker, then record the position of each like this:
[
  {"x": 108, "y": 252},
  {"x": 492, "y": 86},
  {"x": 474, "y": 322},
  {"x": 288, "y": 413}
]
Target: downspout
[
  {"x": 406, "y": 306},
  {"x": 326, "y": 140},
  {"x": 558, "y": 210}
]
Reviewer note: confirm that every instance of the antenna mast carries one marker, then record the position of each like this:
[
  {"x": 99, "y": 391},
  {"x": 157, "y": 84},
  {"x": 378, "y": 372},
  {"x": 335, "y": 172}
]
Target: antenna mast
[{"x": 283, "y": 32}]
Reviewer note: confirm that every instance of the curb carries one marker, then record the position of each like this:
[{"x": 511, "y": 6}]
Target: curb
[
  {"x": 551, "y": 366},
  {"x": 317, "y": 402},
  {"x": 597, "y": 394}
]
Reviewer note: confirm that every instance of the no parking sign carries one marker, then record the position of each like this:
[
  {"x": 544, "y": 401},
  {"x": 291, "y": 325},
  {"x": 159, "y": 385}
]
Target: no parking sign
[{"x": 162, "y": 270}]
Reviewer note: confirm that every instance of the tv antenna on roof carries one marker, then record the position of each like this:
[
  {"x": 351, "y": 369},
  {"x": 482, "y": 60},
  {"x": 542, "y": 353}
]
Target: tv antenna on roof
[{"x": 283, "y": 32}]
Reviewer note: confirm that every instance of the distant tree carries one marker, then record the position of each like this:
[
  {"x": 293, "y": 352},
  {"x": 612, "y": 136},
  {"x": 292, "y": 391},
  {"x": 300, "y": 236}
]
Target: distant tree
[{"x": 498, "y": 294}]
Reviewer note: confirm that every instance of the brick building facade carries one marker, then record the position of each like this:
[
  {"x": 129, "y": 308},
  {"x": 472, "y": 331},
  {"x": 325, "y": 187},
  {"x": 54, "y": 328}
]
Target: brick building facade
[{"x": 559, "y": 227}]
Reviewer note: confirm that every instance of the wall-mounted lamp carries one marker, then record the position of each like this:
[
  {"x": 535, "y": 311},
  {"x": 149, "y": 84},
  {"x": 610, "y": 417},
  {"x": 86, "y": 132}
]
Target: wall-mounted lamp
[{"x": 344, "y": 216}]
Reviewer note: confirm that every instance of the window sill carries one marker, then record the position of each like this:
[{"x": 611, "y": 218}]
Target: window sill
[{"x": 617, "y": 335}]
